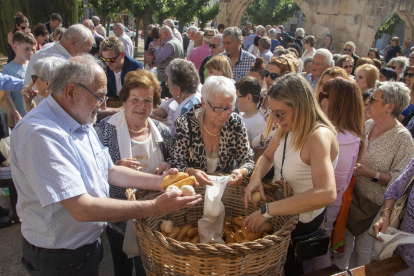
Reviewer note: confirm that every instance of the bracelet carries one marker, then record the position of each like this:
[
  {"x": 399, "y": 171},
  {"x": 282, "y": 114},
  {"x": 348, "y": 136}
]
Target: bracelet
[{"x": 385, "y": 209}]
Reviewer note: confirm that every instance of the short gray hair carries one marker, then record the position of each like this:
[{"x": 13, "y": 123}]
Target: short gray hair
[
  {"x": 265, "y": 42},
  {"x": 44, "y": 68},
  {"x": 96, "y": 18},
  {"x": 324, "y": 53},
  {"x": 78, "y": 32},
  {"x": 395, "y": 92},
  {"x": 149, "y": 27},
  {"x": 350, "y": 43},
  {"x": 300, "y": 32},
  {"x": 80, "y": 69},
  {"x": 218, "y": 86},
  {"x": 401, "y": 61},
  {"x": 119, "y": 25},
  {"x": 206, "y": 39},
  {"x": 193, "y": 29},
  {"x": 101, "y": 30},
  {"x": 166, "y": 29},
  {"x": 90, "y": 23},
  {"x": 260, "y": 29},
  {"x": 220, "y": 37},
  {"x": 235, "y": 32},
  {"x": 307, "y": 60},
  {"x": 272, "y": 33},
  {"x": 169, "y": 23},
  {"x": 183, "y": 73}
]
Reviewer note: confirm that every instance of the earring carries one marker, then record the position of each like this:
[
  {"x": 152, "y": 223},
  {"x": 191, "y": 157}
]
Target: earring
[
  {"x": 178, "y": 96},
  {"x": 386, "y": 112}
]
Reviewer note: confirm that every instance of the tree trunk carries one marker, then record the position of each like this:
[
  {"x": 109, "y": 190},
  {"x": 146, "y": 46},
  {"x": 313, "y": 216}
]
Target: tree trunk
[
  {"x": 104, "y": 23},
  {"x": 137, "y": 20}
]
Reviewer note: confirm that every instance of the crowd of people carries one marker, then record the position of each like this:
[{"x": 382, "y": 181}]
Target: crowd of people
[{"x": 89, "y": 121}]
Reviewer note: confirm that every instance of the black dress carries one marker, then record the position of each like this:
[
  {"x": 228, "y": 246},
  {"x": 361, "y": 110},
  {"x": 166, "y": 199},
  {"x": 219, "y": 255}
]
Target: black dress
[{"x": 12, "y": 55}]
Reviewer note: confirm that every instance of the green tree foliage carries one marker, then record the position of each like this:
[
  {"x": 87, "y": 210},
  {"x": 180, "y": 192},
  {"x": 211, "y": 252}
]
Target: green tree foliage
[
  {"x": 271, "y": 12},
  {"x": 389, "y": 26},
  {"x": 207, "y": 14},
  {"x": 37, "y": 11},
  {"x": 107, "y": 9}
]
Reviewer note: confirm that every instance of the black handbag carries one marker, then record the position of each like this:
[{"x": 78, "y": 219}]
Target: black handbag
[{"x": 311, "y": 245}]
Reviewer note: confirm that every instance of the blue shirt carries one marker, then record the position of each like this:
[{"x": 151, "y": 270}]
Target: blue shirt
[
  {"x": 275, "y": 43},
  {"x": 312, "y": 83},
  {"x": 18, "y": 71},
  {"x": 243, "y": 65},
  {"x": 54, "y": 158},
  {"x": 249, "y": 41},
  {"x": 408, "y": 110},
  {"x": 9, "y": 83}
]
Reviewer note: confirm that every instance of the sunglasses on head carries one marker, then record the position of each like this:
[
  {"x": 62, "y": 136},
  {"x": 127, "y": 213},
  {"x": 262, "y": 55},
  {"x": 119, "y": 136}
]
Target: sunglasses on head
[
  {"x": 323, "y": 95},
  {"x": 213, "y": 45},
  {"x": 347, "y": 50},
  {"x": 409, "y": 75},
  {"x": 392, "y": 67},
  {"x": 348, "y": 66},
  {"x": 34, "y": 78},
  {"x": 110, "y": 60},
  {"x": 273, "y": 76}
]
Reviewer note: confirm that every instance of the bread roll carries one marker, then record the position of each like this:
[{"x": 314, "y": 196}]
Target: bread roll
[{"x": 172, "y": 178}]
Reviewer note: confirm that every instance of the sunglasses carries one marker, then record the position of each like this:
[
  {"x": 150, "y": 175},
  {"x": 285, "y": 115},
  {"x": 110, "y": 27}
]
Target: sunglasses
[
  {"x": 323, "y": 95},
  {"x": 23, "y": 27},
  {"x": 392, "y": 67},
  {"x": 348, "y": 66},
  {"x": 273, "y": 76},
  {"x": 110, "y": 60},
  {"x": 347, "y": 50},
  {"x": 213, "y": 45},
  {"x": 372, "y": 99},
  {"x": 409, "y": 75},
  {"x": 34, "y": 78},
  {"x": 279, "y": 116}
]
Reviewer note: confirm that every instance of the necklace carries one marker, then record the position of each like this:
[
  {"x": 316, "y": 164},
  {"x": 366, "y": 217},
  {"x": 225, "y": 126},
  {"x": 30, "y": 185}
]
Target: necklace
[
  {"x": 212, "y": 134},
  {"x": 139, "y": 131}
]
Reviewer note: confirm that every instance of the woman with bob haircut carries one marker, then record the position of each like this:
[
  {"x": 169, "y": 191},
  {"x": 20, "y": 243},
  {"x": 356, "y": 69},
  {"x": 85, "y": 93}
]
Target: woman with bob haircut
[
  {"x": 329, "y": 74},
  {"x": 341, "y": 100},
  {"x": 219, "y": 140},
  {"x": 309, "y": 163},
  {"x": 345, "y": 62},
  {"x": 365, "y": 76},
  {"x": 219, "y": 66},
  {"x": 135, "y": 141}
]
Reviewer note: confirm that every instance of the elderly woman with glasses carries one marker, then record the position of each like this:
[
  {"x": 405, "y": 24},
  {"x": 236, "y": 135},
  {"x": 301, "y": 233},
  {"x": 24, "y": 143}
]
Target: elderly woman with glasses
[
  {"x": 388, "y": 150},
  {"x": 349, "y": 49},
  {"x": 135, "y": 141},
  {"x": 211, "y": 138},
  {"x": 398, "y": 64},
  {"x": 43, "y": 69},
  {"x": 347, "y": 63}
]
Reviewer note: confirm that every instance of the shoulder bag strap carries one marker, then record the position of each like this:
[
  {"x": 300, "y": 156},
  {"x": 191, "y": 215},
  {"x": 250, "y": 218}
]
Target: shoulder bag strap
[
  {"x": 190, "y": 146},
  {"x": 283, "y": 159}
]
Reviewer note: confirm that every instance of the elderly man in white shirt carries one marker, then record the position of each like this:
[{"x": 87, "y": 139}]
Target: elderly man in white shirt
[
  {"x": 192, "y": 30},
  {"x": 118, "y": 29},
  {"x": 176, "y": 33}
]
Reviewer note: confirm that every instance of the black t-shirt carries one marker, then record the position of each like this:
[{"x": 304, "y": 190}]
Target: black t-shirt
[
  {"x": 147, "y": 43},
  {"x": 96, "y": 45}
]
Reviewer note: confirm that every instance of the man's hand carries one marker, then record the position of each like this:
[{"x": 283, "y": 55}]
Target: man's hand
[
  {"x": 28, "y": 92},
  {"x": 173, "y": 201}
]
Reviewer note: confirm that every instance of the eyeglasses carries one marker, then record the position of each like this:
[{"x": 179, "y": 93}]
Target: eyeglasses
[
  {"x": 101, "y": 101},
  {"x": 348, "y": 49},
  {"x": 110, "y": 60},
  {"x": 323, "y": 95},
  {"x": 34, "y": 78},
  {"x": 279, "y": 116},
  {"x": 273, "y": 76},
  {"x": 213, "y": 45},
  {"x": 392, "y": 67},
  {"x": 348, "y": 66},
  {"x": 220, "y": 110},
  {"x": 372, "y": 99},
  {"x": 409, "y": 75}
]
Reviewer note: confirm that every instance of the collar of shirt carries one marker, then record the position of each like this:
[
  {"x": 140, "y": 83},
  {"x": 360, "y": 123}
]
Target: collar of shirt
[
  {"x": 62, "y": 50},
  {"x": 265, "y": 52},
  {"x": 69, "y": 124},
  {"x": 240, "y": 56},
  {"x": 168, "y": 39}
]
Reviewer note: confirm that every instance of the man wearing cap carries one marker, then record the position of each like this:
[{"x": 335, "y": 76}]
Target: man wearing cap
[
  {"x": 200, "y": 53},
  {"x": 273, "y": 34}
]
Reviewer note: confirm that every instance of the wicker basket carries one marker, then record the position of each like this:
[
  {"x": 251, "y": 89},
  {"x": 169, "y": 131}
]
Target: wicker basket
[{"x": 166, "y": 256}]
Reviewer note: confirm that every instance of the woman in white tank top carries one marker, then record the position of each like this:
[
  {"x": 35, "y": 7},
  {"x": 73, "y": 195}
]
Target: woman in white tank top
[{"x": 310, "y": 159}]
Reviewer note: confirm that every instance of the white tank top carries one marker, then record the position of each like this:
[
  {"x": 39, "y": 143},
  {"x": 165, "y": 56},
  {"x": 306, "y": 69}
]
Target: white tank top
[{"x": 296, "y": 173}]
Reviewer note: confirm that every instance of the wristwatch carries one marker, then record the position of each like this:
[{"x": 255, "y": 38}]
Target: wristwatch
[
  {"x": 376, "y": 178},
  {"x": 265, "y": 211}
]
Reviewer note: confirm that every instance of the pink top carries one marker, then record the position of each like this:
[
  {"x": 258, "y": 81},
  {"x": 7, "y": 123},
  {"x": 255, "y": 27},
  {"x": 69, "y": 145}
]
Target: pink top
[
  {"x": 199, "y": 54},
  {"x": 348, "y": 153}
]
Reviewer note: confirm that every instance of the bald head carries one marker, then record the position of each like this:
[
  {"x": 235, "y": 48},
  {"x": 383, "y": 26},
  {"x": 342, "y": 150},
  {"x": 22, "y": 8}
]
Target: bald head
[{"x": 77, "y": 40}]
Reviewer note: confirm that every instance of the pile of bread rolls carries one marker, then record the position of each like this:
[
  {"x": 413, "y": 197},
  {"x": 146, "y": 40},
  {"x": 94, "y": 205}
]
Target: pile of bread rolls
[
  {"x": 186, "y": 234},
  {"x": 179, "y": 182},
  {"x": 234, "y": 233}
]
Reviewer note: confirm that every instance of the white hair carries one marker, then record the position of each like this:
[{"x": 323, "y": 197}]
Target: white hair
[
  {"x": 395, "y": 92},
  {"x": 166, "y": 29},
  {"x": 324, "y": 53},
  {"x": 220, "y": 37},
  {"x": 44, "y": 68},
  {"x": 90, "y": 23},
  {"x": 169, "y": 23},
  {"x": 101, "y": 30},
  {"x": 207, "y": 39},
  {"x": 193, "y": 29},
  {"x": 401, "y": 61},
  {"x": 272, "y": 33},
  {"x": 119, "y": 25},
  {"x": 300, "y": 32},
  {"x": 78, "y": 32},
  {"x": 218, "y": 86},
  {"x": 260, "y": 29}
]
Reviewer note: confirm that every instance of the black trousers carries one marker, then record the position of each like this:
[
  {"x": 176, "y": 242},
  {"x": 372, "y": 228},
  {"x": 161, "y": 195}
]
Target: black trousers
[
  {"x": 165, "y": 92},
  {"x": 122, "y": 264},
  {"x": 293, "y": 268},
  {"x": 83, "y": 261}
]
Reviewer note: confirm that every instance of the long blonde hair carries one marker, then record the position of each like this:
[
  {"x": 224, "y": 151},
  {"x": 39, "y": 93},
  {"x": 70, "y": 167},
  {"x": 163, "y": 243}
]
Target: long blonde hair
[{"x": 296, "y": 92}]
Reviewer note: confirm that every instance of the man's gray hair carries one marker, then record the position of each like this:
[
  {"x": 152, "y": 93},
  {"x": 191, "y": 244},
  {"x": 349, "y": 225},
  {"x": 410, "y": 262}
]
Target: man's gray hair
[
  {"x": 407, "y": 39},
  {"x": 101, "y": 30},
  {"x": 96, "y": 19},
  {"x": 218, "y": 86},
  {"x": 44, "y": 68},
  {"x": 169, "y": 23},
  {"x": 80, "y": 69},
  {"x": 265, "y": 42},
  {"x": 402, "y": 62},
  {"x": 166, "y": 29},
  {"x": 119, "y": 25},
  {"x": 260, "y": 30},
  {"x": 272, "y": 33},
  {"x": 220, "y": 37},
  {"x": 350, "y": 43},
  {"x": 395, "y": 92},
  {"x": 324, "y": 53},
  {"x": 300, "y": 32},
  {"x": 193, "y": 29},
  {"x": 235, "y": 32},
  {"x": 183, "y": 73},
  {"x": 89, "y": 23},
  {"x": 307, "y": 60},
  {"x": 206, "y": 39},
  {"x": 78, "y": 32},
  {"x": 150, "y": 27}
]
